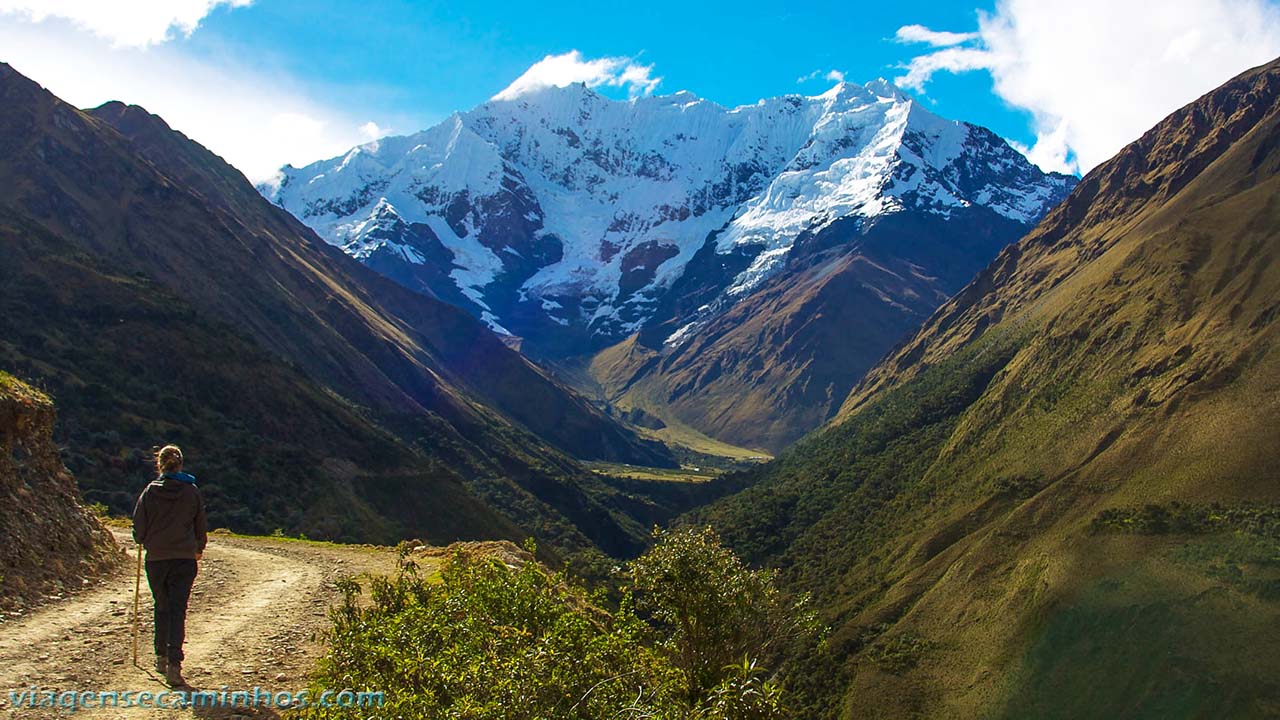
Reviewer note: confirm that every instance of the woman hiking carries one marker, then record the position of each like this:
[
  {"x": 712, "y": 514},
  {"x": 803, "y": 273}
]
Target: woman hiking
[{"x": 169, "y": 522}]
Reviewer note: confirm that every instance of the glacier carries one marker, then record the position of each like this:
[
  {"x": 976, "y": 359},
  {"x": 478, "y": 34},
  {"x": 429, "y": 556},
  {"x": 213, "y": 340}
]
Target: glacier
[{"x": 584, "y": 209}]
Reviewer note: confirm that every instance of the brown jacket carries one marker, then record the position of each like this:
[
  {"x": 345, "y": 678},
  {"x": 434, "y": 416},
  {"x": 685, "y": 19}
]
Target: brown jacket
[{"x": 169, "y": 520}]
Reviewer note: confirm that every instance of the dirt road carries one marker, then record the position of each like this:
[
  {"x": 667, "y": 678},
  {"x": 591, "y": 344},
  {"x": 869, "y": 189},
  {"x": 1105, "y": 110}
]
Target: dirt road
[{"x": 256, "y": 615}]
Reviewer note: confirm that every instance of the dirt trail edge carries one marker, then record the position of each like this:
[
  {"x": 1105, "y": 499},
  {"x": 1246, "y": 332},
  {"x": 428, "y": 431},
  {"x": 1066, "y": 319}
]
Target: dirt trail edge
[{"x": 256, "y": 614}]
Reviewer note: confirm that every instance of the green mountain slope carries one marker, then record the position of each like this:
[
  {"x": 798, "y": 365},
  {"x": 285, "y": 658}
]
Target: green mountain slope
[
  {"x": 1061, "y": 497},
  {"x": 158, "y": 297}
]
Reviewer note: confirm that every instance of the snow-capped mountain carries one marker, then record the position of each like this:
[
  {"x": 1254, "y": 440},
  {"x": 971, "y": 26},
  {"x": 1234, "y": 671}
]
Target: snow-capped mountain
[{"x": 565, "y": 217}]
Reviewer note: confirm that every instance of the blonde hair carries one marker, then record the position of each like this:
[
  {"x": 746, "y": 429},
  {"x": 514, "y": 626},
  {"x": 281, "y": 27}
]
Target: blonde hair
[{"x": 168, "y": 459}]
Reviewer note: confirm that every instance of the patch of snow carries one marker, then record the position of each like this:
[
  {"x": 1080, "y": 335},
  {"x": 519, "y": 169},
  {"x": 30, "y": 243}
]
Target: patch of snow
[
  {"x": 685, "y": 332},
  {"x": 492, "y": 321}
]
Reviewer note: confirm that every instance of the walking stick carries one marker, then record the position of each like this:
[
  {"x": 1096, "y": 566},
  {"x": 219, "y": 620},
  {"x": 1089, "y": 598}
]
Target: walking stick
[{"x": 137, "y": 588}]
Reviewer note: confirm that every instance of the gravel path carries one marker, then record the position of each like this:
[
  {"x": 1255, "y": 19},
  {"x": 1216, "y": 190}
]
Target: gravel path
[{"x": 257, "y": 613}]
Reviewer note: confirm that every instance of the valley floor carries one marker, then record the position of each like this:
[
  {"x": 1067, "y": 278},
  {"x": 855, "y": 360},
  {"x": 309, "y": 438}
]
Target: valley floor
[{"x": 256, "y": 617}]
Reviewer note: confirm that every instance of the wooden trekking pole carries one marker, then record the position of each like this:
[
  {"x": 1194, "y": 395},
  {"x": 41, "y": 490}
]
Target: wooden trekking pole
[{"x": 137, "y": 590}]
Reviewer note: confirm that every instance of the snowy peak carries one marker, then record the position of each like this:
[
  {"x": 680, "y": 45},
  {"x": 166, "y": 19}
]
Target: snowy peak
[{"x": 562, "y": 210}]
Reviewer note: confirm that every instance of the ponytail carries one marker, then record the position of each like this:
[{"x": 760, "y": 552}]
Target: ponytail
[{"x": 168, "y": 460}]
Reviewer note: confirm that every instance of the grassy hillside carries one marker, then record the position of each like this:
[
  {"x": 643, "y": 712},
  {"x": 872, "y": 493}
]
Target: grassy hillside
[{"x": 1059, "y": 498}]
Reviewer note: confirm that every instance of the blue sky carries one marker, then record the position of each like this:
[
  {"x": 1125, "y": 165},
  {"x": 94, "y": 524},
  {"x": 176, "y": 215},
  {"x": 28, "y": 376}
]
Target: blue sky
[
  {"x": 422, "y": 60},
  {"x": 265, "y": 82}
]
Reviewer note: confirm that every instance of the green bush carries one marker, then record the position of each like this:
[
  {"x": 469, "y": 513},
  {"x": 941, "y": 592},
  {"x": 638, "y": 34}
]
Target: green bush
[
  {"x": 900, "y": 653},
  {"x": 1190, "y": 519},
  {"x": 488, "y": 641},
  {"x": 743, "y": 695}
]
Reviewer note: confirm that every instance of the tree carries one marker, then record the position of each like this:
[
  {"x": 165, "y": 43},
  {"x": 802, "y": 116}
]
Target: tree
[{"x": 717, "y": 614}]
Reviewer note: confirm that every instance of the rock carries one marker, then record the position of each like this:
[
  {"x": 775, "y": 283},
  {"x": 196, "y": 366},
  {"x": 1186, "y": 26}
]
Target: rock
[{"x": 42, "y": 539}]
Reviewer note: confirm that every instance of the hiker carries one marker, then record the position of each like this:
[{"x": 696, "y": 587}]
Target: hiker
[{"x": 169, "y": 522}]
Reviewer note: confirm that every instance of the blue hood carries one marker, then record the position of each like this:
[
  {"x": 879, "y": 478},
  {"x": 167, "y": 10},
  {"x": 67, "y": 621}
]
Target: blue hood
[{"x": 180, "y": 477}]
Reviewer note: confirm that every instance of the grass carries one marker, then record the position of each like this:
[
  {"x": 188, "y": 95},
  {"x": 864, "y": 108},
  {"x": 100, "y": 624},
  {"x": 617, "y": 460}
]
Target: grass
[
  {"x": 20, "y": 390},
  {"x": 1171, "y": 635},
  {"x": 1243, "y": 561},
  {"x": 686, "y": 474},
  {"x": 279, "y": 536},
  {"x": 681, "y": 435},
  {"x": 605, "y": 378}
]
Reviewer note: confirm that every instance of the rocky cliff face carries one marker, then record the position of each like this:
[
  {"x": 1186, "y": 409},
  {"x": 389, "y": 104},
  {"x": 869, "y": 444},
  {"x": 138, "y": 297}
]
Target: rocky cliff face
[{"x": 51, "y": 542}]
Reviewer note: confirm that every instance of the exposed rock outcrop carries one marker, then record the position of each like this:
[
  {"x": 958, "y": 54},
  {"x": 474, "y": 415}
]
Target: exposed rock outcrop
[{"x": 52, "y": 542}]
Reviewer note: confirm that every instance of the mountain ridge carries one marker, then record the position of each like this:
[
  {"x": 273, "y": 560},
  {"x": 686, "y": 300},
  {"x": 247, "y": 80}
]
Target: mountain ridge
[{"x": 575, "y": 198}]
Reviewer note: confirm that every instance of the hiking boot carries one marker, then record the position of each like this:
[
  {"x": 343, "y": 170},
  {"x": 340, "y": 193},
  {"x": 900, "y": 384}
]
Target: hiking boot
[
  {"x": 162, "y": 664},
  {"x": 173, "y": 675}
]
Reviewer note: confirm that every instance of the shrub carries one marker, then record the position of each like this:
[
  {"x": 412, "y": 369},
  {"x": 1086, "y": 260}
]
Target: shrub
[
  {"x": 713, "y": 611},
  {"x": 744, "y": 695},
  {"x": 1190, "y": 519},
  {"x": 483, "y": 640}
]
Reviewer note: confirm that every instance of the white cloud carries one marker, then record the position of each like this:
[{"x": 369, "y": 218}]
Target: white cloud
[
  {"x": 132, "y": 23},
  {"x": 952, "y": 59},
  {"x": 936, "y": 38},
  {"x": 372, "y": 131},
  {"x": 571, "y": 67},
  {"x": 1096, "y": 74},
  {"x": 256, "y": 120},
  {"x": 831, "y": 75}
]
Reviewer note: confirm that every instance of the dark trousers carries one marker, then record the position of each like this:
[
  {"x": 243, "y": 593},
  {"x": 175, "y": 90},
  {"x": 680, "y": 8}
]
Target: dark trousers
[{"x": 170, "y": 582}]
